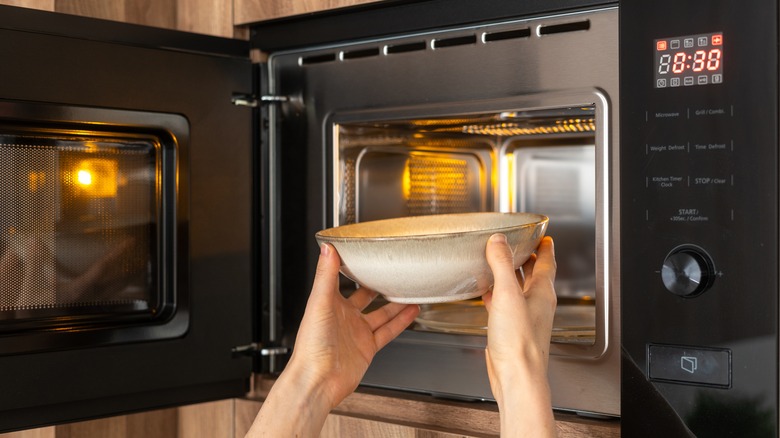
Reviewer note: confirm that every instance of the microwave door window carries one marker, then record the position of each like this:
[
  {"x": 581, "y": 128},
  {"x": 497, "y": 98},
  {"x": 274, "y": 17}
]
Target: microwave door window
[{"x": 79, "y": 230}]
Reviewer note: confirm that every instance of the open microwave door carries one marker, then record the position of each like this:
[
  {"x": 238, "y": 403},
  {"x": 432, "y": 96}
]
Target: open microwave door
[{"x": 125, "y": 218}]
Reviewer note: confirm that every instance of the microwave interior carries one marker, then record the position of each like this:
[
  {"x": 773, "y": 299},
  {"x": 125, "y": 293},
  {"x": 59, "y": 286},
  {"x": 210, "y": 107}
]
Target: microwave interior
[{"x": 539, "y": 160}]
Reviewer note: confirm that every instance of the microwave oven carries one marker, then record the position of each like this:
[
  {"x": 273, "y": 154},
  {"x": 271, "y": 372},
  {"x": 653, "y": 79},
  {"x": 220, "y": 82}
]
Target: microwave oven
[{"x": 161, "y": 193}]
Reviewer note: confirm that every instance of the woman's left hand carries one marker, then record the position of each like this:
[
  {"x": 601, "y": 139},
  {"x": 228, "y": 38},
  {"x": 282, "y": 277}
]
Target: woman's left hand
[
  {"x": 335, "y": 345},
  {"x": 337, "y": 341}
]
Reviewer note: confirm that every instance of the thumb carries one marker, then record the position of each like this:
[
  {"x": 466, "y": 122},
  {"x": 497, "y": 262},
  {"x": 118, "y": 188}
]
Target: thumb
[
  {"x": 500, "y": 259},
  {"x": 326, "y": 277}
]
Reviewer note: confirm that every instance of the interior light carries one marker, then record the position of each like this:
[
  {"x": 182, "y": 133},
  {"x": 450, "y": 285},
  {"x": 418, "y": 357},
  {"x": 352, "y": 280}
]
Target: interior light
[
  {"x": 96, "y": 177},
  {"x": 84, "y": 177}
]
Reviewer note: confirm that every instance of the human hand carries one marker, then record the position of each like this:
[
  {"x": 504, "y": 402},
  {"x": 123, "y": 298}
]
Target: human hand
[
  {"x": 336, "y": 341},
  {"x": 335, "y": 345},
  {"x": 520, "y": 317}
]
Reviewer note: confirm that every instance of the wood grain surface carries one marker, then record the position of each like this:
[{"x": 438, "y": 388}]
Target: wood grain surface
[{"x": 248, "y": 11}]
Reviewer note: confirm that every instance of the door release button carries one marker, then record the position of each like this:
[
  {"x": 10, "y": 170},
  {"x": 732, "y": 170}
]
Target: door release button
[{"x": 689, "y": 365}]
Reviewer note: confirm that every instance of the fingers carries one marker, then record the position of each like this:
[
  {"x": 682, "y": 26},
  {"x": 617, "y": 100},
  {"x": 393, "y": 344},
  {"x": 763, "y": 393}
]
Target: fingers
[
  {"x": 544, "y": 267},
  {"x": 326, "y": 278},
  {"x": 500, "y": 260},
  {"x": 362, "y": 297},
  {"x": 527, "y": 270},
  {"x": 382, "y": 315},
  {"x": 390, "y": 320},
  {"x": 539, "y": 267},
  {"x": 545, "y": 255}
]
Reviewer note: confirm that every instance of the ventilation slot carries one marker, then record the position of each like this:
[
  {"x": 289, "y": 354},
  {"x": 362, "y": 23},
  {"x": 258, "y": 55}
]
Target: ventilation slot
[
  {"x": 453, "y": 42},
  {"x": 360, "y": 53},
  {"x": 405, "y": 48},
  {"x": 564, "y": 27},
  {"x": 317, "y": 59},
  {"x": 507, "y": 35}
]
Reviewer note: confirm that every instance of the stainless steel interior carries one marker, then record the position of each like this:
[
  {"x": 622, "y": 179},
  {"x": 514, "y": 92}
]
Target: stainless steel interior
[
  {"x": 540, "y": 161},
  {"x": 487, "y": 101},
  {"x": 396, "y": 171},
  {"x": 77, "y": 230}
]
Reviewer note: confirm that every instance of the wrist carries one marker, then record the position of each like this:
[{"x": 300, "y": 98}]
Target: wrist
[
  {"x": 522, "y": 392},
  {"x": 294, "y": 391},
  {"x": 305, "y": 384},
  {"x": 514, "y": 385},
  {"x": 524, "y": 404}
]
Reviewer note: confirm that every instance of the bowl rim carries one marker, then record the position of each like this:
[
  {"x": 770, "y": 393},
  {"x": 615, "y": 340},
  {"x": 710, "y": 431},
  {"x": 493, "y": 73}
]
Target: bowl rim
[{"x": 541, "y": 220}]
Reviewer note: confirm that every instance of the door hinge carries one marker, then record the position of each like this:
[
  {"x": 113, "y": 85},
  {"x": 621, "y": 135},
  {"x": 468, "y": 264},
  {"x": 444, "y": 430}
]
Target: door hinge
[
  {"x": 256, "y": 349},
  {"x": 253, "y": 101}
]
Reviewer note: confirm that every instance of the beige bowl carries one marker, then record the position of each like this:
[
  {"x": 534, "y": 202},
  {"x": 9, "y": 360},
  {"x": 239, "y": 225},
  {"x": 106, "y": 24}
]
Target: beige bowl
[{"x": 431, "y": 259}]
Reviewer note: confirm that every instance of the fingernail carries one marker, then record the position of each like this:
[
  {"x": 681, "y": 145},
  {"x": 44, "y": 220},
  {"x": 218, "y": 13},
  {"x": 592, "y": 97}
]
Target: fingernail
[
  {"x": 324, "y": 250},
  {"x": 498, "y": 238}
]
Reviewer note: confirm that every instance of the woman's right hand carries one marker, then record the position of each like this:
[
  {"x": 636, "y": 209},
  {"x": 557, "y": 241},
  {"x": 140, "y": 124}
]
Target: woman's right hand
[{"x": 521, "y": 307}]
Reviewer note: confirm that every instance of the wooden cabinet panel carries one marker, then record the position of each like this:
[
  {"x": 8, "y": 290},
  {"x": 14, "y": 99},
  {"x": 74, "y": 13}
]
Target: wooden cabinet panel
[
  {"x": 246, "y": 411},
  {"x": 46, "y": 5},
  {"x": 211, "y": 17},
  {"x": 233, "y": 418},
  {"x": 337, "y": 426},
  {"x": 154, "y": 424},
  {"x": 44, "y": 432},
  {"x": 377, "y": 412},
  {"x": 206, "y": 420},
  {"x": 159, "y": 13},
  {"x": 248, "y": 11},
  {"x": 114, "y": 10}
]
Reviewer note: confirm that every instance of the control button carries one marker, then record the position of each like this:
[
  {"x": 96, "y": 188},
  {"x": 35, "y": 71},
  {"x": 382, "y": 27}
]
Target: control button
[
  {"x": 688, "y": 271},
  {"x": 691, "y": 365}
]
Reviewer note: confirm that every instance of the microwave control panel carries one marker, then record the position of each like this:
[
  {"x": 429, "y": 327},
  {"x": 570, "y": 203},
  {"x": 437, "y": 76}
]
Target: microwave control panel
[{"x": 699, "y": 217}]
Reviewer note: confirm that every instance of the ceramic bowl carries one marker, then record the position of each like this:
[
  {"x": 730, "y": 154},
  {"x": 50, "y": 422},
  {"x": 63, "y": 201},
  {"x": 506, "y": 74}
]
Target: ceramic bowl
[{"x": 431, "y": 259}]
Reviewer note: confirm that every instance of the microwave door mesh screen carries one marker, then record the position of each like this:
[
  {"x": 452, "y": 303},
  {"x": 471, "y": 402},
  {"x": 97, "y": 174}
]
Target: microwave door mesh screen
[{"x": 78, "y": 227}]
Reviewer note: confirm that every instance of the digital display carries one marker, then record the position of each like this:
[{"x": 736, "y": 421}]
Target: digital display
[{"x": 689, "y": 60}]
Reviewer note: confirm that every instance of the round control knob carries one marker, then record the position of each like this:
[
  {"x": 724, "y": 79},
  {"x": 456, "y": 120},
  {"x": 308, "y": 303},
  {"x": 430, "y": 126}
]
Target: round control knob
[{"x": 688, "y": 271}]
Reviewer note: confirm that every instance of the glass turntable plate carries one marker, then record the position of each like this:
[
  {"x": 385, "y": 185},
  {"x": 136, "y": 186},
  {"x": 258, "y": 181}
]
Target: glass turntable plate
[{"x": 573, "y": 323}]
